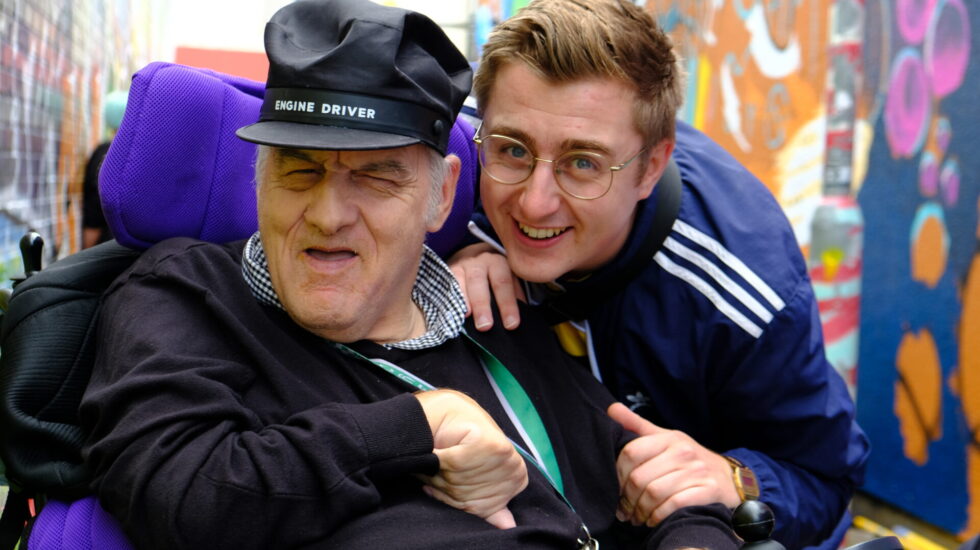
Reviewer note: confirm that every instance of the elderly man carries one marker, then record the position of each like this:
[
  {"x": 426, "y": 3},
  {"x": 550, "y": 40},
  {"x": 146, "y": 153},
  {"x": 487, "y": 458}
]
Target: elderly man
[
  {"x": 690, "y": 298},
  {"x": 299, "y": 389}
]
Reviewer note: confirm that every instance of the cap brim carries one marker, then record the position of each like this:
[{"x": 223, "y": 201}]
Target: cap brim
[{"x": 315, "y": 136}]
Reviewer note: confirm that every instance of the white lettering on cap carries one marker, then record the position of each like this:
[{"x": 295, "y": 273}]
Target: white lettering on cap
[
  {"x": 290, "y": 105},
  {"x": 349, "y": 111}
]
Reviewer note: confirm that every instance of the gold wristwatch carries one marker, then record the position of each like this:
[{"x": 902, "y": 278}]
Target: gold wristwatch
[{"x": 746, "y": 484}]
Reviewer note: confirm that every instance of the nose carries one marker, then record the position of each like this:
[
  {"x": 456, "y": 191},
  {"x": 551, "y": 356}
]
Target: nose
[
  {"x": 332, "y": 205},
  {"x": 540, "y": 196}
]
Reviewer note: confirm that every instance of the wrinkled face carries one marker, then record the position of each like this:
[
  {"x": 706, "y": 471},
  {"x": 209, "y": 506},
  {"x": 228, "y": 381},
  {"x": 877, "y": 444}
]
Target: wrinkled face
[
  {"x": 343, "y": 232},
  {"x": 547, "y": 232}
]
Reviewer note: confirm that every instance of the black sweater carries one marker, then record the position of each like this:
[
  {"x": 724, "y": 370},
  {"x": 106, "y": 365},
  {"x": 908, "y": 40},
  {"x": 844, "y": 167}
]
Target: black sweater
[{"x": 217, "y": 422}]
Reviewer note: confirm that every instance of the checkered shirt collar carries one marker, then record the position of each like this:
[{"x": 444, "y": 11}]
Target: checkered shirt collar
[{"x": 436, "y": 292}]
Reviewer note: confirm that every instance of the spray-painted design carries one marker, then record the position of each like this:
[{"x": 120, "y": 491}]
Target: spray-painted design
[
  {"x": 887, "y": 109},
  {"x": 775, "y": 82},
  {"x": 835, "y": 265},
  {"x": 837, "y": 235},
  {"x": 919, "y": 379},
  {"x": 487, "y": 14},
  {"x": 756, "y": 77},
  {"x": 57, "y": 59}
]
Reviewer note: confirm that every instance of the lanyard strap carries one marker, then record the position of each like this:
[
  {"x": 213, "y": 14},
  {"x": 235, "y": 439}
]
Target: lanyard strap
[
  {"x": 519, "y": 408},
  {"x": 522, "y": 413},
  {"x": 512, "y": 397}
]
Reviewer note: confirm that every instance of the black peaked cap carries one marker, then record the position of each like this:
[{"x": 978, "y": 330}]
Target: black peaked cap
[{"x": 351, "y": 74}]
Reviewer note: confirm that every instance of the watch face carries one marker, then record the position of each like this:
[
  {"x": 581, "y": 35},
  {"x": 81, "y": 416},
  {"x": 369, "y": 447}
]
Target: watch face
[{"x": 750, "y": 485}]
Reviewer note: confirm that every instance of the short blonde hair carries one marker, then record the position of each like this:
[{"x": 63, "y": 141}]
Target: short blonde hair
[{"x": 567, "y": 40}]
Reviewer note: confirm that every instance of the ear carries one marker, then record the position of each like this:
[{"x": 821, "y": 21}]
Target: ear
[
  {"x": 447, "y": 194},
  {"x": 657, "y": 158}
]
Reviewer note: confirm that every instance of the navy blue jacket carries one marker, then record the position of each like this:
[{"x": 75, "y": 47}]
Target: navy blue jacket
[{"x": 719, "y": 336}]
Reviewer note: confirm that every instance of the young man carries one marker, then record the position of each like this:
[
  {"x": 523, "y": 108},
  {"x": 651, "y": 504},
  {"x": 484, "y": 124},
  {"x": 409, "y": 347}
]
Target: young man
[
  {"x": 716, "y": 333},
  {"x": 292, "y": 390}
]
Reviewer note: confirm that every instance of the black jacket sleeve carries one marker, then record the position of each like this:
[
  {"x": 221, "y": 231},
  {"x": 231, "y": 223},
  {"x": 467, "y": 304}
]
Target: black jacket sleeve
[{"x": 176, "y": 441}]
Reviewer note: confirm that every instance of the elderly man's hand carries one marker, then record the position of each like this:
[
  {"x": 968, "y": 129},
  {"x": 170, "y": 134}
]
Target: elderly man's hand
[
  {"x": 479, "y": 269},
  {"x": 479, "y": 469},
  {"x": 664, "y": 470}
]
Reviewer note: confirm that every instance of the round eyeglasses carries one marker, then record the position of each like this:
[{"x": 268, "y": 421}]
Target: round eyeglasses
[{"x": 584, "y": 175}]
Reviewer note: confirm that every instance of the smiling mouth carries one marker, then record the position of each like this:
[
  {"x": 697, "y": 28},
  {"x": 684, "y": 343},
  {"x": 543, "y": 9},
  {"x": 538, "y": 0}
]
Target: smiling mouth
[{"x": 541, "y": 233}]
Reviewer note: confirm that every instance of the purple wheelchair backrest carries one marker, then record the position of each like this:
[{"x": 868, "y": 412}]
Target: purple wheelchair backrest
[
  {"x": 176, "y": 168},
  {"x": 78, "y": 525}
]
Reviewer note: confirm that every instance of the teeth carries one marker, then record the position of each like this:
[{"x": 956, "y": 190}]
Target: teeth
[{"x": 541, "y": 232}]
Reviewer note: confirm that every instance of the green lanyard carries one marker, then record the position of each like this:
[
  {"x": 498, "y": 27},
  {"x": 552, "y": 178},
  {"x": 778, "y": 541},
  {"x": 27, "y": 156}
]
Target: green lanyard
[
  {"x": 513, "y": 398},
  {"x": 518, "y": 407}
]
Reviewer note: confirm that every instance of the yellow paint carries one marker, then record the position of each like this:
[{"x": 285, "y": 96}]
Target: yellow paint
[
  {"x": 704, "y": 84},
  {"x": 831, "y": 259},
  {"x": 910, "y": 539}
]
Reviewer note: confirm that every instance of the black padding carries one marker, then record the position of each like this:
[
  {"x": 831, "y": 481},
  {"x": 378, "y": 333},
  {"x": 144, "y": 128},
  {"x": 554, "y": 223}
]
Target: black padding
[{"x": 46, "y": 353}]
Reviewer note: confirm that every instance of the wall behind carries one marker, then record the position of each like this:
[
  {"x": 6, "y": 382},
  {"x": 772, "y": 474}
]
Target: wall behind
[
  {"x": 919, "y": 373},
  {"x": 892, "y": 84},
  {"x": 58, "y": 59}
]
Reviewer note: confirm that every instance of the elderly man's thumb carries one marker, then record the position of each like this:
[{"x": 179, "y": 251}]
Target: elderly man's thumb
[{"x": 502, "y": 519}]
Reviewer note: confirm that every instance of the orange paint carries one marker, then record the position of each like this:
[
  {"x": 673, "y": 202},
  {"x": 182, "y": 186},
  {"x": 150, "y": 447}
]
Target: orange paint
[
  {"x": 918, "y": 400},
  {"x": 771, "y": 111},
  {"x": 928, "y": 254},
  {"x": 968, "y": 388}
]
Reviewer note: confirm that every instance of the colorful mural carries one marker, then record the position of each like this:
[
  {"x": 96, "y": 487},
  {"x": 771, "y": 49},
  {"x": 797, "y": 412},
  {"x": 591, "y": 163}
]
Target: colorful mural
[
  {"x": 58, "y": 58},
  {"x": 919, "y": 379},
  {"x": 756, "y": 77},
  {"x": 858, "y": 115},
  {"x": 487, "y": 14},
  {"x": 775, "y": 83}
]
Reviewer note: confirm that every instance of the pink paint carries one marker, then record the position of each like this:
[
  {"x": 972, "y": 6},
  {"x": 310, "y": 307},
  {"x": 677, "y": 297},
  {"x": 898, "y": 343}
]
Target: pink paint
[
  {"x": 928, "y": 175},
  {"x": 913, "y": 18},
  {"x": 907, "y": 105},
  {"x": 949, "y": 182},
  {"x": 947, "y": 47}
]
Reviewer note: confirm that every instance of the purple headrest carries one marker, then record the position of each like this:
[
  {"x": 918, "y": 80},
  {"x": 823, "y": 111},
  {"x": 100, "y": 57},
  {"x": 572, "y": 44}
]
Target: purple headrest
[
  {"x": 79, "y": 525},
  {"x": 444, "y": 241},
  {"x": 176, "y": 168}
]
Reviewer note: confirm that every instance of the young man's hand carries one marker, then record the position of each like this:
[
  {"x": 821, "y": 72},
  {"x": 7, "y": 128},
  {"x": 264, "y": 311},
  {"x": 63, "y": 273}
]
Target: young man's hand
[
  {"x": 480, "y": 269},
  {"x": 664, "y": 470},
  {"x": 479, "y": 469}
]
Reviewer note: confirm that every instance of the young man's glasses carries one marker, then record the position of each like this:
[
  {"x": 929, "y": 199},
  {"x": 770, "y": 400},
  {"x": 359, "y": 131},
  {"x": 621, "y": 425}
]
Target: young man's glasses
[{"x": 582, "y": 174}]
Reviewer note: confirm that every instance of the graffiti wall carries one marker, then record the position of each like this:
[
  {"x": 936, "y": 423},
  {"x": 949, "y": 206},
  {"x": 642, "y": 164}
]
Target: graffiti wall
[
  {"x": 58, "y": 59},
  {"x": 828, "y": 101},
  {"x": 756, "y": 74},
  {"x": 920, "y": 328},
  {"x": 774, "y": 82}
]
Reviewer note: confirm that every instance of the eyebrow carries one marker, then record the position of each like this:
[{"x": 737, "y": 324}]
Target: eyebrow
[
  {"x": 385, "y": 165},
  {"x": 388, "y": 165},
  {"x": 566, "y": 145},
  {"x": 283, "y": 153}
]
